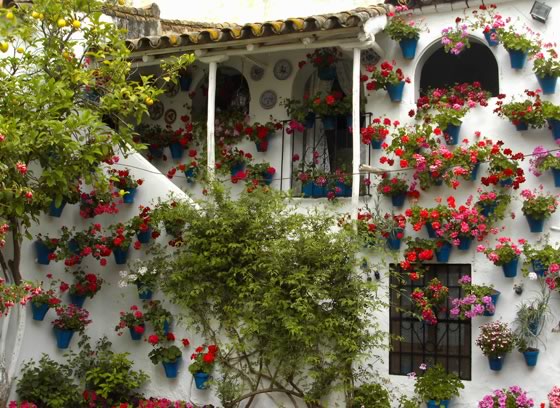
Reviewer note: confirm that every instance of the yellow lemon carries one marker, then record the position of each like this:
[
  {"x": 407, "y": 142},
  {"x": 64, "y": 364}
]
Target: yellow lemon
[
  {"x": 121, "y": 2},
  {"x": 10, "y": 15},
  {"x": 4, "y": 46},
  {"x": 76, "y": 24},
  {"x": 61, "y": 22},
  {"x": 149, "y": 101},
  {"x": 35, "y": 14},
  {"x": 41, "y": 16}
]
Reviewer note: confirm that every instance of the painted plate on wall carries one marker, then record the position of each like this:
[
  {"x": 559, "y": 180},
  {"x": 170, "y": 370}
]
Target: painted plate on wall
[
  {"x": 282, "y": 69},
  {"x": 256, "y": 73},
  {"x": 170, "y": 116},
  {"x": 268, "y": 99},
  {"x": 156, "y": 110}
]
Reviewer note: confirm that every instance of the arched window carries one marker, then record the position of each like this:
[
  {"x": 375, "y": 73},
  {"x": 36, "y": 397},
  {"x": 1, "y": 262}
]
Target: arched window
[{"x": 476, "y": 63}]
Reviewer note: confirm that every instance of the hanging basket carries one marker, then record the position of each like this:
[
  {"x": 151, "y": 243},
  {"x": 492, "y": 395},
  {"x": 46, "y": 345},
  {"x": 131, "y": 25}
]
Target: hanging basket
[
  {"x": 517, "y": 58},
  {"x": 201, "y": 380},
  {"x": 547, "y": 84},
  {"x": 510, "y": 268},
  {"x": 396, "y": 91},
  {"x": 408, "y": 47}
]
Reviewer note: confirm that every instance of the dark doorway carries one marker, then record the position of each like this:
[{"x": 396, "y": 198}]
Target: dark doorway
[{"x": 474, "y": 64}]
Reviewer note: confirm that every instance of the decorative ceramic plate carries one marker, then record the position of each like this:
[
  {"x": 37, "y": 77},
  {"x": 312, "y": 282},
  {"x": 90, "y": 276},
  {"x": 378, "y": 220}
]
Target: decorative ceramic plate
[
  {"x": 282, "y": 69},
  {"x": 268, "y": 99},
  {"x": 170, "y": 116},
  {"x": 256, "y": 73},
  {"x": 156, "y": 110}
]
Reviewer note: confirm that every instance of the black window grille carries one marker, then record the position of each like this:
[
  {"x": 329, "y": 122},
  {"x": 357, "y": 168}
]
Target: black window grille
[{"x": 447, "y": 343}]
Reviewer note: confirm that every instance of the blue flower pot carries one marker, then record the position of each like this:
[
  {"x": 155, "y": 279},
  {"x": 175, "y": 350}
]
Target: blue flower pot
[
  {"x": 128, "y": 198},
  {"x": 63, "y": 337},
  {"x": 310, "y": 189},
  {"x": 73, "y": 246},
  {"x": 121, "y": 255},
  {"x": 393, "y": 242},
  {"x": 398, "y": 199},
  {"x": 496, "y": 363},
  {"x": 171, "y": 368},
  {"x": 200, "y": 380},
  {"x": 474, "y": 172},
  {"x": 531, "y": 357},
  {"x": 506, "y": 182},
  {"x": 176, "y": 150},
  {"x": 236, "y": 168},
  {"x": 555, "y": 127},
  {"x": 452, "y": 132},
  {"x": 376, "y": 144},
  {"x": 431, "y": 230},
  {"x": 522, "y": 126},
  {"x": 547, "y": 84},
  {"x": 538, "y": 267},
  {"x": 42, "y": 253},
  {"x": 396, "y": 91},
  {"x": 144, "y": 236},
  {"x": 438, "y": 181},
  {"x": 495, "y": 296},
  {"x": 78, "y": 300},
  {"x": 535, "y": 225},
  {"x": 556, "y": 175},
  {"x": 437, "y": 404},
  {"x": 39, "y": 311},
  {"x": 309, "y": 120},
  {"x": 190, "y": 174},
  {"x": 327, "y": 73},
  {"x": 464, "y": 243},
  {"x": 267, "y": 178},
  {"x": 517, "y": 58},
  {"x": 144, "y": 293},
  {"x": 135, "y": 336},
  {"x": 55, "y": 211},
  {"x": 345, "y": 191},
  {"x": 166, "y": 327},
  {"x": 408, "y": 47},
  {"x": 443, "y": 252},
  {"x": 185, "y": 83},
  {"x": 510, "y": 269},
  {"x": 492, "y": 42},
  {"x": 155, "y": 152},
  {"x": 329, "y": 122},
  {"x": 488, "y": 209}
]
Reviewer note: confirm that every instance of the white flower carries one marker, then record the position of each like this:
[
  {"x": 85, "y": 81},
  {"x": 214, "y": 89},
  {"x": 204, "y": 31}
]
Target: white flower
[
  {"x": 533, "y": 276},
  {"x": 132, "y": 277},
  {"x": 123, "y": 274},
  {"x": 142, "y": 270},
  {"x": 123, "y": 284}
]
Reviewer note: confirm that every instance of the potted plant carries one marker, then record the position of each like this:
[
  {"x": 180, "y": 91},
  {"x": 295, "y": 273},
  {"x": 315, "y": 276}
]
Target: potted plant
[
  {"x": 504, "y": 168},
  {"x": 144, "y": 273},
  {"x": 314, "y": 180},
  {"x": 408, "y": 141},
  {"x": 513, "y": 397},
  {"x": 495, "y": 340},
  {"x": 119, "y": 241},
  {"x": 528, "y": 324},
  {"x": 538, "y": 206},
  {"x": 133, "y": 320},
  {"x": 540, "y": 257},
  {"x": 429, "y": 300},
  {"x": 84, "y": 285},
  {"x": 432, "y": 217},
  {"x": 449, "y": 120},
  {"x": 543, "y": 160},
  {"x": 330, "y": 107},
  {"x": 436, "y": 386},
  {"x": 203, "y": 360},
  {"x": 486, "y": 18},
  {"x": 405, "y": 30},
  {"x": 505, "y": 254},
  {"x": 387, "y": 77},
  {"x": 45, "y": 248},
  {"x": 299, "y": 111},
  {"x": 97, "y": 202},
  {"x": 547, "y": 70},
  {"x": 417, "y": 252},
  {"x": 143, "y": 226},
  {"x": 466, "y": 224},
  {"x": 478, "y": 300},
  {"x": 375, "y": 134},
  {"x": 394, "y": 187},
  {"x": 524, "y": 113},
  {"x": 72, "y": 196},
  {"x": 42, "y": 301},
  {"x": 517, "y": 45},
  {"x": 260, "y": 174},
  {"x": 234, "y": 160},
  {"x": 152, "y": 136},
  {"x": 324, "y": 59},
  {"x": 168, "y": 354},
  {"x": 70, "y": 319},
  {"x": 377, "y": 230},
  {"x": 551, "y": 112},
  {"x": 193, "y": 170},
  {"x": 158, "y": 316},
  {"x": 554, "y": 397},
  {"x": 125, "y": 183},
  {"x": 455, "y": 40},
  {"x": 552, "y": 276},
  {"x": 168, "y": 214},
  {"x": 261, "y": 133}
]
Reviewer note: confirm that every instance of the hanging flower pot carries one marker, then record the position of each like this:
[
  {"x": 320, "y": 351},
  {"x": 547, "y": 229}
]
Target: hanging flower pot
[
  {"x": 342, "y": 190},
  {"x": 496, "y": 363},
  {"x": 43, "y": 253},
  {"x": 506, "y": 182},
  {"x": 393, "y": 242},
  {"x": 398, "y": 199},
  {"x": 437, "y": 404},
  {"x": 201, "y": 380},
  {"x": 491, "y": 37},
  {"x": 431, "y": 231},
  {"x": 474, "y": 172},
  {"x": 443, "y": 252},
  {"x": 556, "y": 175},
  {"x": 538, "y": 267},
  {"x": 144, "y": 292},
  {"x": 464, "y": 243},
  {"x": 39, "y": 311},
  {"x": 555, "y": 127},
  {"x": 408, "y": 47},
  {"x": 376, "y": 144},
  {"x": 535, "y": 225},
  {"x": 395, "y": 91},
  {"x": 63, "y": 337},
  {"x": 166, "y": 326},
  {"x": 137, "y": 334},
  {"x": 309, "y": 120},
  {"x": 121, "y": 255},
  {"x": 452, "y": 134},
  {"x": 144, "y": 236},
  {"x": 531, "y": 356},
  {"x": 128, "y": 198},
  {"x": 155, "y": 151},
  {"x": 510, "y": 268},
  {"x": 262, "y": 146},
  {"x": 488, "y": 208},
  {"x": 521, "y": 126},
  {"x": 327, "y": 73},
  {"x": 311, "y": 189},
  {"x": 185, "y": 82},
  {"x": 494, "y": 296},
  {"x": 237, "y": 168},
  {"x": 55, "y": 211},
  {"x": 267, "y": 178},
  {"x": 190, "y": 174},
  {"x": 77, "y": 300},
  {"x": 176, "y": 150},
  {"x": 74, "y": 247},
  {"x": 517, "y": 58},
  {"x": 329, "y": 122},
  {"x": 438, "y": 181},
  {"x": 547, "y": 84},
  {"x": 171, "y": 368}
]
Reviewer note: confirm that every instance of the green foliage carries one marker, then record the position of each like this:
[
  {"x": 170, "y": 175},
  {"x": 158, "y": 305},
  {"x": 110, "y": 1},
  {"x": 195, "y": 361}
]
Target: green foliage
[
  {"x": 48, "y": 384},
  {"x": 539, "y": 207},
  {"x": 165, "y": 354},
  {"x": 550, "y": 110},
  {"x": 399, "y": 29},
  {"x": 512, "y": 40},
  {"x": 550, "y": 66},
  {"x": 372, "y": 396},
  {"x": 437, "y": 384},
  {"x": 530, "y": 319},
  {"x": 278, "y": 288}
]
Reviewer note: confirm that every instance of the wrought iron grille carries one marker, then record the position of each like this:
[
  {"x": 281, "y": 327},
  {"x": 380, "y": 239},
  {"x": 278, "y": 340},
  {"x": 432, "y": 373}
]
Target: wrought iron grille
[{"x": 447, "y": 343}]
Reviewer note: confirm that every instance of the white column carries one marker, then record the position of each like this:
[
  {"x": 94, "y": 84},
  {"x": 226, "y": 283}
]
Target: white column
[
  {"x": 356, "y": 129},
  {"x": 210, "y": 140}
]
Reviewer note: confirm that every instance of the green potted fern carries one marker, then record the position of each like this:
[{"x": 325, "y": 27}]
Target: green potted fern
[{"x": 437, "y": 386}]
